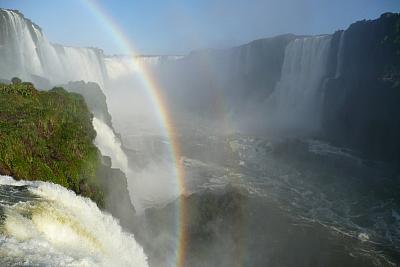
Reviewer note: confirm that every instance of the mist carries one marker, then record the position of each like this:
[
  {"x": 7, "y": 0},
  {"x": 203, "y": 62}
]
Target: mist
[{"x": 224, "y": 134}]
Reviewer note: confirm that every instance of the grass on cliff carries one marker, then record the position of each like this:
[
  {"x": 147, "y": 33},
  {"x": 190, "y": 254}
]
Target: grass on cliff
[{"x": 48, "y": 136}]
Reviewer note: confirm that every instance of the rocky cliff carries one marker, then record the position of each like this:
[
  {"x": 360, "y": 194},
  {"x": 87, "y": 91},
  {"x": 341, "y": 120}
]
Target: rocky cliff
[
  {"x": 362, "y": 94},
  {"x": 48, "y": 136}
]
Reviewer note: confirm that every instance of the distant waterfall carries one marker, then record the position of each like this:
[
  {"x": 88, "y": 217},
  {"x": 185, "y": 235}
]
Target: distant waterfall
[
  {"x": 25, "y": 51},
  {"x": 339, "y": 63},
  {"x": 121, "y": 66},
  {"x": 296, "y": 100}
]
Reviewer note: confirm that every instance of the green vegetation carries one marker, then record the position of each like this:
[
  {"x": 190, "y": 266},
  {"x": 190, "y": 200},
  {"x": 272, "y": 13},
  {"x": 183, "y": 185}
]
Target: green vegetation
[
  {"x": 48, "y": 136},
  {"x": 16, "y": 80}
]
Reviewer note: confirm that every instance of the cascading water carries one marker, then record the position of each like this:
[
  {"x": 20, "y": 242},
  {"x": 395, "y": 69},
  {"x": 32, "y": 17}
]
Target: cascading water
[
  {"x": 109, "y": 145},
  {"x": 25, "y": 51},
  {"x": 297, "y": 97},
  {"x": 43, "y": 224},
  {"x": 121, "y": 66},
  {"x": 147, "y": 187},
  {"x": 339, "y": 63}
]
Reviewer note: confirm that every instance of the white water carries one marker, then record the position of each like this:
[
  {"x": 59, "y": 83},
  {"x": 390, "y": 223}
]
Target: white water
[
  {"x": 25, "y": 51},
  {"x": 296, "y": 98},
  {"x": 110, "y": 145},
  {"x": 121, "y": 66},
  {"x": 339, "y": 62},
  {"x": 61, "y": 229},
  {"x": 150, "y": 186}
]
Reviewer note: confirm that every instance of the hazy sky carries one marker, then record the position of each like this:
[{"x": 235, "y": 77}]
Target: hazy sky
[{"x": 177, "y": 27}]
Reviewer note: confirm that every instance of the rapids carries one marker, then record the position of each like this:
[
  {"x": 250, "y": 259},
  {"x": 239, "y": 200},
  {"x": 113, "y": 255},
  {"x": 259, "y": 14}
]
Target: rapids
[{"x": 43, "y": 224}]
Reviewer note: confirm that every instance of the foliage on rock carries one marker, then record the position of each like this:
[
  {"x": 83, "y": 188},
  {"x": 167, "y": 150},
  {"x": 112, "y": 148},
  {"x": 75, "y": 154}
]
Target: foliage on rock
[{"x": 48, "y": 136}]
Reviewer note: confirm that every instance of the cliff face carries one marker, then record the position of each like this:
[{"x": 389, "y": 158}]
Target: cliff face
[
  {"x": 48, "y": 136},
  {"x": 359, "y": 92},
  {"x": 66, "y": 156},
  {"x": 116, "y": 196},
  {"x": 198, "y": 82},
  {"x": 362, "y": 96},
  {"x": 113, "y": 181},
  {"x": 250, "y": 70},
  {"x": 94, "y": 97}
]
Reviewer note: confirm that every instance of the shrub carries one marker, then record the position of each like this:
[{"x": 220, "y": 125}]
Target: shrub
[{"x": 16, "y": 80}]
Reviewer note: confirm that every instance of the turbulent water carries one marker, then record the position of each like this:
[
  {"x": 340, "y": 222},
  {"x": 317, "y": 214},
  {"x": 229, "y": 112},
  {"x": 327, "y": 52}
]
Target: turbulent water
[
  {"x": 320, "y": 194},
  {"x": 44, "y": 224},
  {"x": 346, "y": 204}
]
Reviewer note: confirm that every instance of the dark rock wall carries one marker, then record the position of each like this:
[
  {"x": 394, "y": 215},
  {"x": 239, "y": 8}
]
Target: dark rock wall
[
  {"x": 94, "y": 97},
  {"x": 212, "y": 82},
  {"x": 362, "y": 105}
]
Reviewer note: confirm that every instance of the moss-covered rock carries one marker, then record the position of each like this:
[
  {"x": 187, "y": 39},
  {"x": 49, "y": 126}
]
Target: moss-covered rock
[{"x": 48, "y": 136}]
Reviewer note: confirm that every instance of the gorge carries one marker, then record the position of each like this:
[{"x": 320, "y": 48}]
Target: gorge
[{"x": 288, "y": 146}]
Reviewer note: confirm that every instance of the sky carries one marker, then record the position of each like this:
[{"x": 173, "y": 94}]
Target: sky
[{"x": 178, "y": 27}]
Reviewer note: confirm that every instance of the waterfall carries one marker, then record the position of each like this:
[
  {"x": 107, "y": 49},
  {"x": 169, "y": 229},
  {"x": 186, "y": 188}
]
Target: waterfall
[
  {"x": 43, "y": 224},
  {"x": 110, "y": 146},
  {"x": 339, "y": 62},
  {"x": 25, "y": 51},
  {"x": 297, "y": 98},
  {"x": 121, "y": 66}
]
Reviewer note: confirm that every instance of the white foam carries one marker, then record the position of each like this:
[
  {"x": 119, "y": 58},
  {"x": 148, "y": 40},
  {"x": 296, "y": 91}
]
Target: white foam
[
  {"x": 63, "y": 229},
  {"x": 363, "y": 237},
  {"x": 109, "y": 145}
]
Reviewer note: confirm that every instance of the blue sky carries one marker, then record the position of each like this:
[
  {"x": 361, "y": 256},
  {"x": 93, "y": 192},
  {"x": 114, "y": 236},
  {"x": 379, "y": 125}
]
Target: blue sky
[{"x": 177, "y": 27}]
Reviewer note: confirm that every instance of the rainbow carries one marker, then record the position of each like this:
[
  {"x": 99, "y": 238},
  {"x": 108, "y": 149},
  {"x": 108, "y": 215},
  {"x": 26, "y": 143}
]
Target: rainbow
[{"x": 162, "y": 113}]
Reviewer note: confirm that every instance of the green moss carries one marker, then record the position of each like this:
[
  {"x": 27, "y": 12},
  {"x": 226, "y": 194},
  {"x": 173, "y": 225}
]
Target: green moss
[{"x": 48, "y": 136}]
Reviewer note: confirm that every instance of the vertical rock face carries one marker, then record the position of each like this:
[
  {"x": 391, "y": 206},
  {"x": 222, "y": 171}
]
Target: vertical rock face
[
  {"x": 94, "y": 98},
  {"x": 113, "y": 170},
  {"x": 215, "y": 81},
  {"x": 297, "y": 98},
  {"x": 247, "y": 71},
  {"x": 361, "y": 104},
  {"x": 26, "y": 52}
]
